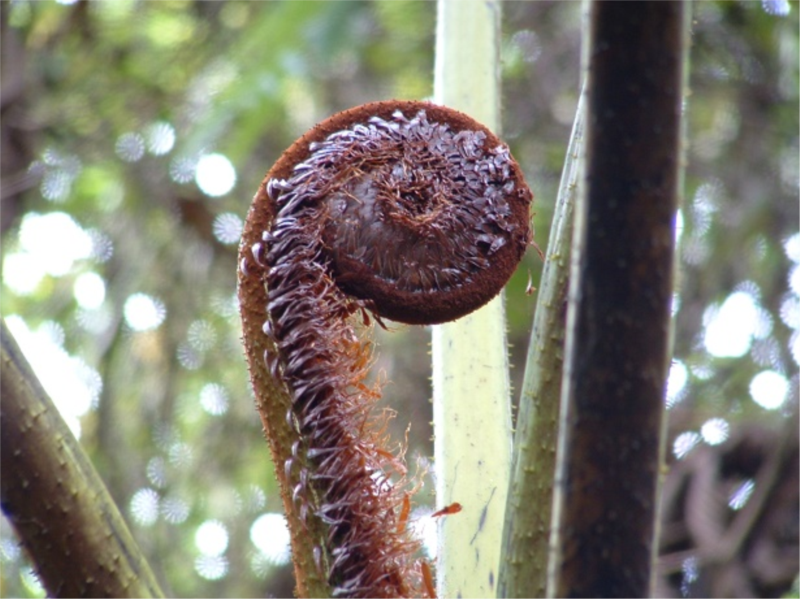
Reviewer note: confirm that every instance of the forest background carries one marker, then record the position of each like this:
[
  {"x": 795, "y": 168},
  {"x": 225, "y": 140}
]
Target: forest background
[{"x": 134, "y": 135}]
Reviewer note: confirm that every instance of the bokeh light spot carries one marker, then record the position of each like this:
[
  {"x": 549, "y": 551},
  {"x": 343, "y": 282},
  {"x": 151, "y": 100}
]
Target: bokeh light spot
[
  {"x": 89, "y": 290},
  {"x": 790, "y": 312},
  {"x": 779, "y": 8},
  {"x": 226, "y": 305},
  {"x": 794, "y": 346},
  {"x": 214, "y": 399},
  {"x": 215, "y": 175},
  {"x": 189, "y": 357},
  {"x": 144, "y": 506},
  {"x": 144, "y": 312},
  {"x": 529, "y": 45},
  {"x": 211, "y": 567},
  {"x": 22, "y": 272},
  {"x": 260, "y": 564},
  {"x": 95, "y": 321},
  {"x": 180, "y": 454},
  {"x": 690, "y": 569},
  {"x": 56, "y": 185},
  {"x": 792, "y": 248},
  {"x": 676, "y": 383},
  {"x": 181, "y": 169},
  {"x": 741, "y": 494},
  {"x": 729, "y": 329},
  {"x": 102, "y": 246},
  {"x": 157, "y": 472},
  {"x": 54, "y": 240},
  {"x": 10, "y": 550},
  {"x": 228, "y": 228},
  {"x": 270, "y": 534},
  {"x": 684, "y": 443},
  {"x": 769, "y": 389},
  {"x": 201, "y": 335},
  {"x": 255, "y": 499},
  {"x": 160, "y": 138},
  {"x": 130, "y": 147},
  {"x": 211, "y": 538},
  {"x": 174, "y": 510},
  {"x": 715, "y": 431}
]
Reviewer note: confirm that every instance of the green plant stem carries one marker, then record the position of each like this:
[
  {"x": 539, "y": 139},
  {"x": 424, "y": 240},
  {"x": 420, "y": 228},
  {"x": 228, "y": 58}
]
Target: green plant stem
[
  {"x": 55, "y": 499},
  {"x": 684, "y": 148},
  {"x": 523, "y": 570},
  {"x": 472, "y": 420}
]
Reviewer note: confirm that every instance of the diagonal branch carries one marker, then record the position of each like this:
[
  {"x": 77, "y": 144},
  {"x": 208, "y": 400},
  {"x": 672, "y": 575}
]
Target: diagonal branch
[
  {"x": 523, "y": 569},
  {"x": 55, "y": 499}
]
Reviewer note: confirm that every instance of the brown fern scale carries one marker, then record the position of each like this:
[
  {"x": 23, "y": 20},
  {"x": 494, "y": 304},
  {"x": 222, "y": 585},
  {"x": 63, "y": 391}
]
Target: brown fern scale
[{"x": 410, "y": 211}]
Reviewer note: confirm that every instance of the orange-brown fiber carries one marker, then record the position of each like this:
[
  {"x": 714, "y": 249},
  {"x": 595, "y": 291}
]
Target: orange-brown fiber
[{"x": 406, "y": 210}]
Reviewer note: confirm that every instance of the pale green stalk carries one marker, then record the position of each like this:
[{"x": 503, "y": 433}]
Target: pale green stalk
[
  {"x": 663, "y": 468},
  {"x": 472, "y": 417}
]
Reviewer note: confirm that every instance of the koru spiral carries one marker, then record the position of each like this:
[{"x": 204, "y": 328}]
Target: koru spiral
[{"x": 404, "y": 210}]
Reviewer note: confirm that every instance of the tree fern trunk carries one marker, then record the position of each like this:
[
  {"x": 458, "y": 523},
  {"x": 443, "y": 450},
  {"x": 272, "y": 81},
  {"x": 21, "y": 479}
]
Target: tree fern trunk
[{"x": 620, "y": 295}]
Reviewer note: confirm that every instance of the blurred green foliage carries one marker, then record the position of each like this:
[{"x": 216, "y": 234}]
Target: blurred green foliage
[{"x": 92, "y": 92}]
